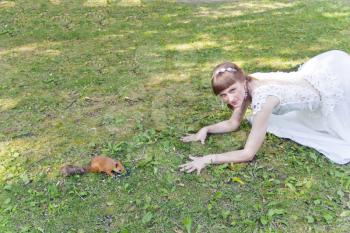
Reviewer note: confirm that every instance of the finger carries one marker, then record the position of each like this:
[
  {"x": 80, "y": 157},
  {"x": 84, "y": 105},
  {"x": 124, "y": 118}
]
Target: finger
[
  {"x": 191, "y": 157},
  {"x": 185, "y": 164},
  {"x": 198, "y": 172},
  {"x": 183, "y": 139},
  {"x": 185, "y": 168},
  {"x": 191, "y": 170},
  {"x": 203, "y": 141},
  {"x": 187, "y": 139}
]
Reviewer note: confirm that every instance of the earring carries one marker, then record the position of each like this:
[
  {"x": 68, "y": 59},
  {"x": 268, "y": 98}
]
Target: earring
[
  {"x": 222, "y": 104},
  {"x": 245, "y": 95},
  {"x": 246, "y": 90}
]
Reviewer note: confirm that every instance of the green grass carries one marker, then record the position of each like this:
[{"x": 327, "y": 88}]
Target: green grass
[{"x": 127, "y": 79}]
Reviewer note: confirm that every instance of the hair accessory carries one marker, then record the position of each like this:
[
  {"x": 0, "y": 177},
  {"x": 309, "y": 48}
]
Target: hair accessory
[{"x": 222, "y": 70}]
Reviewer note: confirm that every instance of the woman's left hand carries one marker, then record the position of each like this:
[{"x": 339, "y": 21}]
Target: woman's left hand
[{"x": 197, "y": 163}]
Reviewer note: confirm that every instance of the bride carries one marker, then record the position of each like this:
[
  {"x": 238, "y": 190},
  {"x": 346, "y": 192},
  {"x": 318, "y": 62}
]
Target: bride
[{"x": 310, "y": 106}]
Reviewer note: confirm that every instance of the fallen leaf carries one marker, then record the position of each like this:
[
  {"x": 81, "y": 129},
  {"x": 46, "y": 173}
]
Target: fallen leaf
[{"x": 237, "y": 179}]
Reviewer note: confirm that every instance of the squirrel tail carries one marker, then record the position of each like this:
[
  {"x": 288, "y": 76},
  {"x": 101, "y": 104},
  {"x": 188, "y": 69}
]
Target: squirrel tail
[{"x": 69, "y": 170}]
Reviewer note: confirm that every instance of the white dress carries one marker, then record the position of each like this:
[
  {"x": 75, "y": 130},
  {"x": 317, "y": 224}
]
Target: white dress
[{"x": 314, "y": 108}]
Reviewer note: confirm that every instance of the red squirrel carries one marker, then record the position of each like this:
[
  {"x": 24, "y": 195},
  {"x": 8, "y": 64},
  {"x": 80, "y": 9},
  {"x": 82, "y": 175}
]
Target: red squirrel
[{"x": 98, "y": 164}]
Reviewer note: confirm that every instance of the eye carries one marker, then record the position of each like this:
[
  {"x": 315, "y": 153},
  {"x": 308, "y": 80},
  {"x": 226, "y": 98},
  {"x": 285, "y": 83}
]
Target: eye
[{"x": 232, "y": 90}]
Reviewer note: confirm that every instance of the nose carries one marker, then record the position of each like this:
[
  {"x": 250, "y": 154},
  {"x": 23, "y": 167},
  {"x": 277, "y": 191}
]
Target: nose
[
  {"x": 117, "y": 172},
  {"x": 230, "y": 98}
]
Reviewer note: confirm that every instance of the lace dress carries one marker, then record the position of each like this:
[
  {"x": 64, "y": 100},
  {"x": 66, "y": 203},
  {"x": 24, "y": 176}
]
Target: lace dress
[{"x": 314, "y": 108}]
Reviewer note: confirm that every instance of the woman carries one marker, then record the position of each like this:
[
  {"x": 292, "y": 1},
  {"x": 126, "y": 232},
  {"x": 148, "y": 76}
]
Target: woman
[{"x": 310, "y": 106}]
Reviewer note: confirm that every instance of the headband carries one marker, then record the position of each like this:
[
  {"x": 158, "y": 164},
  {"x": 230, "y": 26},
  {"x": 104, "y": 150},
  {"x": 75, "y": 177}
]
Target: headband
[{"x": 222, "y": 70}]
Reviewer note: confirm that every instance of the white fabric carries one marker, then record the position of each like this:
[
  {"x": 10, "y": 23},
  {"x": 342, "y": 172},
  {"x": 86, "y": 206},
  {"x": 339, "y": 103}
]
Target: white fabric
[
  {"x": 292, "y": 97},
  {"x": 314, "y": 107}
]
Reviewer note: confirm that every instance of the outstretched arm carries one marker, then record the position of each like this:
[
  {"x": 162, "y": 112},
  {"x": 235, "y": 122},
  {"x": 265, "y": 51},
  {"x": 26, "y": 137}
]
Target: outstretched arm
[
  {"x": 226, "y": 126},
  {"x": 255, "y": 138},
  {"x": 254, "y": 142},
  {"x": 229, "y": 125}
]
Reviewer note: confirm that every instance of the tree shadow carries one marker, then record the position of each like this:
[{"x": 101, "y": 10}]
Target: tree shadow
[{"x": 160, "y": 53}]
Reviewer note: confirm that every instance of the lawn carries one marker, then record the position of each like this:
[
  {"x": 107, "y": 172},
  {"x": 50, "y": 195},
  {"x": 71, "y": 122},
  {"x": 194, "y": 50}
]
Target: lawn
[{"x": 127, "y": 79}]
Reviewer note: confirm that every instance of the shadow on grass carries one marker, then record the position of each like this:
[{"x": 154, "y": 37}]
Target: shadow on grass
[
  {"x": 160, "y": 53},
  {"x": 75, "y": 78}
]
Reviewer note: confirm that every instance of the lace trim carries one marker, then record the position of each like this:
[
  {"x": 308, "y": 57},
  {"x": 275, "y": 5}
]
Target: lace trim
[
  {"x": 260, "y": 94},
  {"x": 291, "y": 97},
  {"x": 328, "y": 85}
]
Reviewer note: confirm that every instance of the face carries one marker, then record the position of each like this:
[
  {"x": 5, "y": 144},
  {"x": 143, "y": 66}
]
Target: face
[
  {"x": 119, "y": 168},
  {"x": 234, "y": 95}
]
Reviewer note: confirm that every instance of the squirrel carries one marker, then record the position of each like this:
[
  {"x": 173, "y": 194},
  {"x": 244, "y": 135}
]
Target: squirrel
[{"x": 98, "y": 164}]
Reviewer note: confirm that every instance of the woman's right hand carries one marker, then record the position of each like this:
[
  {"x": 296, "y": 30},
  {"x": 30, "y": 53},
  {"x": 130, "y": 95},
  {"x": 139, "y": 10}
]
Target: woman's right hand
[{"x": 199, "y": 136}]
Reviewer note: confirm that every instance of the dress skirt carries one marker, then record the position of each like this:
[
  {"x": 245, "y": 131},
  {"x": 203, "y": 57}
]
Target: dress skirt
[{"x": 328, "y": 129}]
